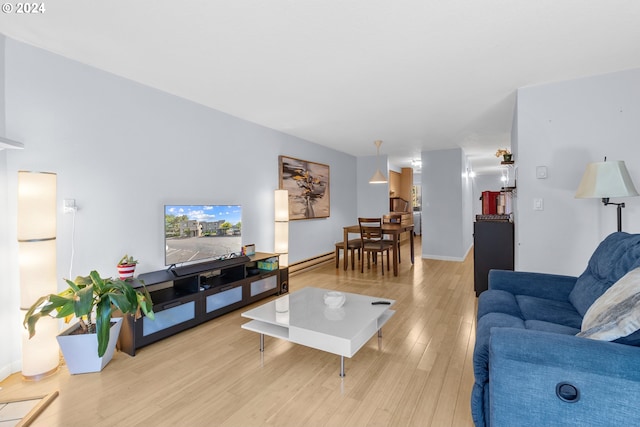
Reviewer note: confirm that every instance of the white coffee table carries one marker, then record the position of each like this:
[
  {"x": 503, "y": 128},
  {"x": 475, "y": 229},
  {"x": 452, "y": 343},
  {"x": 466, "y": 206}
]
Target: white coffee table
[{"x": 302, "y": 318}]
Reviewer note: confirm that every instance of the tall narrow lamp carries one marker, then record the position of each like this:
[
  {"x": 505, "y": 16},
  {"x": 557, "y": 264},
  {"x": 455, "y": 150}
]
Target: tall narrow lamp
[
  {"x": 603, "y": 180},
  {"x": 281, "y": 244},
  {"x": 37, "y": 264}
]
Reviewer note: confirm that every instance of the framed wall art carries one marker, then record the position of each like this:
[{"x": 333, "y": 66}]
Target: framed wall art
[{"x": 308, "y": 186}]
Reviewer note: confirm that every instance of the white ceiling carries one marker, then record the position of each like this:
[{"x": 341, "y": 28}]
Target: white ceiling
[{"x": 417, "y": 74}]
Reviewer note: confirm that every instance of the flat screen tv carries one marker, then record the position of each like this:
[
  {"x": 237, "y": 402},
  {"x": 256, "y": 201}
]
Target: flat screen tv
[{"x": 201, "y": 232}]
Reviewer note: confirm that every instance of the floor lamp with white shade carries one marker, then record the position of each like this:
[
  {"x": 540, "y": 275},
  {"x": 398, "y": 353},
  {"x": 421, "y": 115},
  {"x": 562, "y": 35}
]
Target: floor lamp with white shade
[{"x": 603, "y": 180}]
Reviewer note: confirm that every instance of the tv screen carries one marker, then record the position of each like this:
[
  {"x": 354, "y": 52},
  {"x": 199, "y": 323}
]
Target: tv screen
[{"x": 201, "y": 232}]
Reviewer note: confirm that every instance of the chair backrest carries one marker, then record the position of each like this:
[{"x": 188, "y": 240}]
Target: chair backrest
[{"x": 370, "y": 229}]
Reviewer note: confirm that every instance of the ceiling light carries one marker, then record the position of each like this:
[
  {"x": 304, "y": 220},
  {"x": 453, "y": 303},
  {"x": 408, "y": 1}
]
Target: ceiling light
[{"x": 378, "y": 177}]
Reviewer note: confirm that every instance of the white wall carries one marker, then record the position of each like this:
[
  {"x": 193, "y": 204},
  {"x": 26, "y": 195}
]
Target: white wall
[
  {"x": 467, "y": 206},
  {"x": 446, "y": 205},
  {"x": 564, "y": 126},
  {"x": 9, "y": 314},
  {"x": 373, "y": 199},
  {"x": 122, "y": 150}
]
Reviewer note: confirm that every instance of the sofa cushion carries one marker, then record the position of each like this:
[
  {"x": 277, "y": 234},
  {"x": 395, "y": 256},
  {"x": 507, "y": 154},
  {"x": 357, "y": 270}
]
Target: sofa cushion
[
  {"x": 559, "y": 312},
  {"x": 498, "y": 301},
  {"x": 612, "y": 259},
  {"x": 617, "y": 312},
  {"x": 540, "y": 325}
]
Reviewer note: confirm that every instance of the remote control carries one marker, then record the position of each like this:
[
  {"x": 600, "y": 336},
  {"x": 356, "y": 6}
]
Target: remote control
[{"x": 380, "y": 303}]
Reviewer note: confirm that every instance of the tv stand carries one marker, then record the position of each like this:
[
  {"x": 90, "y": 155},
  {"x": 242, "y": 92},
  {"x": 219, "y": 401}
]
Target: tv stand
[
  {"x": 186, "y": 270},
  {"x": 187, "y": 296}
]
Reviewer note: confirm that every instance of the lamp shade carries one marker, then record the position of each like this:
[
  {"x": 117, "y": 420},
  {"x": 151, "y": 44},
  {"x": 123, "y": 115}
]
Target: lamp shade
[
  {"x": 38, "y": 272},
  {"x": 37, "y": 259},
  {"x": 606, "y": 179},
  {"x": 36, "y": 206},
  {"x": 378, "y": 178},
  {"x": 281, "y": 235},
  {"x": 282, "y": 205},
  {"x": 281, "y": 244}
]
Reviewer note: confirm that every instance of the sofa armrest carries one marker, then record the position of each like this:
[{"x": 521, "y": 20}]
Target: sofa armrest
[
  {"x": 526, "y": 366},
  {"x": 551, "y": 286}
]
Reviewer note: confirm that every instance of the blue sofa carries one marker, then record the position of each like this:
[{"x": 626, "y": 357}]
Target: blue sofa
[{"x": 530, "y": 368}]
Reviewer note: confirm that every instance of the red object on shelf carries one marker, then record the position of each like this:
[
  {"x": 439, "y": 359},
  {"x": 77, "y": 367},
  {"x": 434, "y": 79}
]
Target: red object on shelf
[
  {"x": 490, "y": 202},
  {"x": 125, "y": 271}
]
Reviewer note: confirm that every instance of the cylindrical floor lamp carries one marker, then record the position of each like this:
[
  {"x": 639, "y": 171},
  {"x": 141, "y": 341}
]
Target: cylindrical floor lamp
[
  {"x": 281, "y": 216},
  {"x": 37, "y": 264}
]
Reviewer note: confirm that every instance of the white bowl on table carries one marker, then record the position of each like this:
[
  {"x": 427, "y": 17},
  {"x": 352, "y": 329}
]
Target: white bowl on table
[{"x": 334, "y": 299}]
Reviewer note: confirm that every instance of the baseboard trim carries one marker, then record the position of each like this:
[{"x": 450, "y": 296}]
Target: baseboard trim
[
  {"x": 311, "y": 263},
  {"x": 442, "y": 258}
]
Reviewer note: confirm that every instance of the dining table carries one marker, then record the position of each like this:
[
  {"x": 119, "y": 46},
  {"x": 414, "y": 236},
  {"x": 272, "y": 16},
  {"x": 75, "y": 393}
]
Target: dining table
[{"x": 394, "y": 230}]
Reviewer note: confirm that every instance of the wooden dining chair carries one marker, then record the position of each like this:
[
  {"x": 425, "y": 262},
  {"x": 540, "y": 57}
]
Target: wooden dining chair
[
  {"x": 393, "y": 219},
  {"x": 353, "y": 245},
  {"x": 373, "y": 242}
]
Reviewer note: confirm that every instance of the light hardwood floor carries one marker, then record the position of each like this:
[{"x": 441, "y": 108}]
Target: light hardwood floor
[{"x": 419, "y": 374}]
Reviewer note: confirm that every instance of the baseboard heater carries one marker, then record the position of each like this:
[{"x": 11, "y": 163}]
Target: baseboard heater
[{"x": 310, "y": 263}]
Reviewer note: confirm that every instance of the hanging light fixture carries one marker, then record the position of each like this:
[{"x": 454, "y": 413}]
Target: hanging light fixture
[{"x": 378, "y": 177}]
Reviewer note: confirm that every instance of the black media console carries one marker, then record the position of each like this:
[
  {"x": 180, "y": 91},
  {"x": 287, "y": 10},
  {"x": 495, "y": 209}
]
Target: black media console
[{"x": 184, "y": 297}]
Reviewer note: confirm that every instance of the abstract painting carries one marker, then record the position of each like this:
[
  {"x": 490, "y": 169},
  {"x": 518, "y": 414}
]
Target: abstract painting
[{"x": 308, "y": 186}]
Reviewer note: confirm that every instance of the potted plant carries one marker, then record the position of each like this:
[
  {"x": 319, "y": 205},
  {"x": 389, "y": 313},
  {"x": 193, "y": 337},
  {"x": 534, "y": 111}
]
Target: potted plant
[
  {"x": 83, "y": 297},
  {"x": 126, "y": 267},
  {"x": 505, "y": 154}
]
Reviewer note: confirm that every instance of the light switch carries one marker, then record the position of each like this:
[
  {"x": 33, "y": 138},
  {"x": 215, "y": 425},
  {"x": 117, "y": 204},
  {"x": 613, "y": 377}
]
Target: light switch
[
  {"x": 541, "y": 172},
  {"x": 538, "y": 205}
]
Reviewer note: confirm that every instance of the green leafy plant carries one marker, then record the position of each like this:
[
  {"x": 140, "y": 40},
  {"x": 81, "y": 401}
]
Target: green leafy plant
[
  {"x": 127, "y": 260},
  {"x": 87, "y": 294}
]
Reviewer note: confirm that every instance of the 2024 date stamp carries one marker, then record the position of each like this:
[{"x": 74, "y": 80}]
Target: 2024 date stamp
[{"x": 23, "y": 8}]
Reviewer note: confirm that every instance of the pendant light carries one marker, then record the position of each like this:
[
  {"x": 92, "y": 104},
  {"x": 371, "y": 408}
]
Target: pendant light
[{"x": 378, "y": 177}]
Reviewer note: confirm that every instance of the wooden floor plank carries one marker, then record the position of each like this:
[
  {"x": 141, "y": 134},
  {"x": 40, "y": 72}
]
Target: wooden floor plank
[{"x": 418, "y": 374}]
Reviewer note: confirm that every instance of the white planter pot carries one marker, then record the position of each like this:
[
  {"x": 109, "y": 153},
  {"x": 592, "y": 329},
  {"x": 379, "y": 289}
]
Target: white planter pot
[{"x": 81, "y": 351}]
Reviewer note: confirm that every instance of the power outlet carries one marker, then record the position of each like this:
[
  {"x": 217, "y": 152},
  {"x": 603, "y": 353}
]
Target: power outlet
[
  {"x": 541, "y": 172},
  {"x": 69, "y": 206}
]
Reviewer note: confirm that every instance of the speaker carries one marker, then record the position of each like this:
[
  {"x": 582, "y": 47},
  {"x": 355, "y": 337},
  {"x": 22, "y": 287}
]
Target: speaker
[{"x": 284, "y": 280}]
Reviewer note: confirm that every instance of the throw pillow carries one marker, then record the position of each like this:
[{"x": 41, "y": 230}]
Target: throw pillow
[{"x": 616, "y": 313}]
